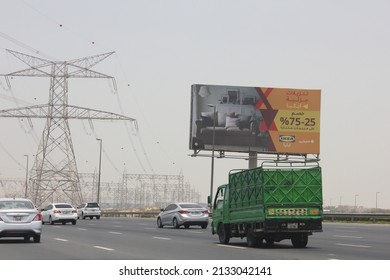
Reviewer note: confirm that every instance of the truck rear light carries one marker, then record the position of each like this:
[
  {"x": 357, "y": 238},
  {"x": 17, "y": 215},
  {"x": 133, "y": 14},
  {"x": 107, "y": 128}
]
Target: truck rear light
[{"x": 38, "y": 217}]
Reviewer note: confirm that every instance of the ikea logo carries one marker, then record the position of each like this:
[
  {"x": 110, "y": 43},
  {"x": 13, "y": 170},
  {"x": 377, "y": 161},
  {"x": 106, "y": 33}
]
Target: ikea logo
[{"x": 287, "y": 138}]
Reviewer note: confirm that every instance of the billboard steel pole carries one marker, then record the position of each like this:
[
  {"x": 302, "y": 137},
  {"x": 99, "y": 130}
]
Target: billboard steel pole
[{"x": 212, "y": 158}]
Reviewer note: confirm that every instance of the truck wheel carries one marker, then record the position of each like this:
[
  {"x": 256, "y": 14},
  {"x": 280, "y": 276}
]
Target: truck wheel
[
  {"x": 270, "y": 241},
  {"x": 299, "y": 240},
  {"x": 252, "y": 240},
  {"x": 223, "y": 234}
]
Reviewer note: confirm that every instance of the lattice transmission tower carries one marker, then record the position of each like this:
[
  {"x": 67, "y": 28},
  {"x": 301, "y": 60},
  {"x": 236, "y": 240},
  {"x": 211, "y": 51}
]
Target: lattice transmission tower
[{"x": 54, "y": 175}]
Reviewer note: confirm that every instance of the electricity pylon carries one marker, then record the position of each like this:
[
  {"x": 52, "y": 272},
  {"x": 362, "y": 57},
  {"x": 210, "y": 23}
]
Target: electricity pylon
[{"x": 54, "y": 175}]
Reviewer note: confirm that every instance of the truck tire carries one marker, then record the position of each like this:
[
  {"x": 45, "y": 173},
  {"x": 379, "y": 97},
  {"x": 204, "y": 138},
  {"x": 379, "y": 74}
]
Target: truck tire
[
  {"x": 299, "y": 240},
  {"x": 252, "y": 240},
  {"x": 223, "y": 233},
  {"x": 270, "y": 241}
]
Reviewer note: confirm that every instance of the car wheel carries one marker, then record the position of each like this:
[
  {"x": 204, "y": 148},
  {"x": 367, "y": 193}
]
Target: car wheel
[
  {"x": 82, "y": 215},
  {"x": 159, "y": 223},
  {"x": 51, "y": 221},
  {"x": 26, "y": 238},
  {"x": 175, "y": 223},
  {"x": 204, "y": 226},
  {"x": 37, "y": 238},
  {"x": 186, "y": 226},
  {"x": 98, "y": 217},
  {"x": 63, "y": 223},
  {"x": 91, "y": 218},
  {"x": 73, "y": 222}
]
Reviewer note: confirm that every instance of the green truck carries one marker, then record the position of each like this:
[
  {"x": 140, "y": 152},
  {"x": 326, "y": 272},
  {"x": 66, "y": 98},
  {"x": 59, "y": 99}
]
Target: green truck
[{"x": 270, "y": 203}]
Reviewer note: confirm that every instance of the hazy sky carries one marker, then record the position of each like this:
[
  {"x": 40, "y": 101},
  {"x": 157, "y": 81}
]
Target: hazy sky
[{"x": 162, "y": 47}]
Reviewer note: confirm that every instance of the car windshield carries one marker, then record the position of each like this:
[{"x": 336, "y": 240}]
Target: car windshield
[
  {"x": 63, "y": 206},
  {"x": 92, "y": 205},
  {"x": 16, "y": 204},
  {"x": 190, "y": 206}
]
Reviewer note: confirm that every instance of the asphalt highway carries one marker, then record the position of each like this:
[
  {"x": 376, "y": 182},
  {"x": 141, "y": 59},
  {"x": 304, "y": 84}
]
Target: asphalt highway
[{"x": 140, "y": 239}]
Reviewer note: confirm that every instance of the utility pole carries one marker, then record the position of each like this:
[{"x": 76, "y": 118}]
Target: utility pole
[
  {"x": 100, "y": 170},
  {"x": 54, "y": 174},
  {"x": 25, "y": 190}
]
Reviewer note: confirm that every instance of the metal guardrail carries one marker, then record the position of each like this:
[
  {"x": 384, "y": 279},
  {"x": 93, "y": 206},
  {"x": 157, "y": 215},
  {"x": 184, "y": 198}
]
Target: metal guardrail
[
  {"x": 353, "y": 217},
  {"x": 373, "y": 217},
  {"x": 130, "y": 214}
]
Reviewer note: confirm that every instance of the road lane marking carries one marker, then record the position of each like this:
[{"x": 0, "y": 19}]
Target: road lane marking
[
  {"x": 230, "y": 246},
  {"x": 114, "y": 232},
  {"x": 193, "y": 231},
  {"x": 104, "y": 248},
  {"x": 344, "y": 230},
  {"x": 162, "y": 238},
  {"x": 60, "y": 239},
  {"x": 347, "y": 236},
  {"x": 150, "y": 228},
  {"x": 81, "y": 228},
  {"x": 353, "y": 245}
]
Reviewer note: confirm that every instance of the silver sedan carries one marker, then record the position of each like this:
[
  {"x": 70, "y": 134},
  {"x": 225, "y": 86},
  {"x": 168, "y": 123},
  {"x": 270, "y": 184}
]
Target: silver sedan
[
  {"x": 183, "y": 214},
  {"x": 20, "y": 218}
]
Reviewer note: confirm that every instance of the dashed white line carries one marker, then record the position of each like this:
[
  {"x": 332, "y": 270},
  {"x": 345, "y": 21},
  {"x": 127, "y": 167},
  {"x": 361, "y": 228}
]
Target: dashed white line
[
  {"x": 229, "y": 246},
  {"x": 353, "y": 245},
  {"x": 114, "y": 232},
  {"x": 162, "y": 238},
  {"x": 347, "y": 236},
  {"x": 60, "y": 239},
  {"x": 104, "y": 248},
  {"x": 193, "y": 231},
  {"x": 81, "y": 228}
]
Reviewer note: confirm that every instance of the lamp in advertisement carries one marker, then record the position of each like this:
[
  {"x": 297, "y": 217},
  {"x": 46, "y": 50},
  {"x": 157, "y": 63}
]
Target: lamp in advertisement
[{"x": 255, "y": 119}]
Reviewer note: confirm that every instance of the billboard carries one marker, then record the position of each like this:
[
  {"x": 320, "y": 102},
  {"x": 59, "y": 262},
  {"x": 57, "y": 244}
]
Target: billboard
[{"x": 261, "y": 119}]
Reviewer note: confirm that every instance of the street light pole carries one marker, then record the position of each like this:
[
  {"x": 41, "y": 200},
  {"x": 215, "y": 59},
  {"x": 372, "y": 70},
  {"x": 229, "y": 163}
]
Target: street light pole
[
  {"x": 212, "y": 158},
  {"x": 376, "y": 200},
  {"x": 356, "y": 195},
  {"x": 25, "y": 190},
  {"x": 100, "y": 169}
]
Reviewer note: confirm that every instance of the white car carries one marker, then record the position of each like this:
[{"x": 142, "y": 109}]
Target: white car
[
  {"x": 88, "y": 209},
  {"x": 59, "y": 213},
  {"x": 20, "y": 218}
]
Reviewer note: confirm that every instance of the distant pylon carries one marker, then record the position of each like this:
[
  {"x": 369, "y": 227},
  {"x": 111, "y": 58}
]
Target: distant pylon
[{"x": 54, "y": 175}]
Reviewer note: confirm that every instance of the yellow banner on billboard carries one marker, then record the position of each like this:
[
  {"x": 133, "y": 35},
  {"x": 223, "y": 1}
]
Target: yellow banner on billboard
[{"x": 292, "y": 119}]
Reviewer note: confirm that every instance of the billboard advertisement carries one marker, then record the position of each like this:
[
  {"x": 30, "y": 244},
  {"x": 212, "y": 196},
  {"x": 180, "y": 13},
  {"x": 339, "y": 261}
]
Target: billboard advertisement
[{"x": 260, "y": 119}]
